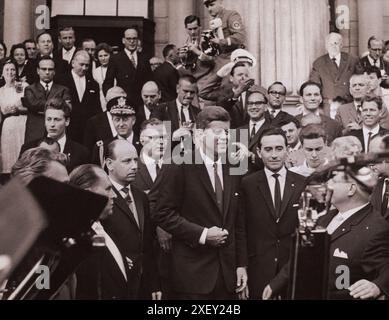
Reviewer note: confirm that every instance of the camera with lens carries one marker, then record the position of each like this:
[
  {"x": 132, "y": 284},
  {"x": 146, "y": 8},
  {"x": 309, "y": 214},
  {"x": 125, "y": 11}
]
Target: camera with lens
[{"x": 209, "y": 48}]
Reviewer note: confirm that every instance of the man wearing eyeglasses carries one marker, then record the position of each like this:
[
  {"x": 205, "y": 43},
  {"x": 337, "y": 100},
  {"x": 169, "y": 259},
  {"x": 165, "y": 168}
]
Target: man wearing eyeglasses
[
  {"x": 274, "y": 113},
  {"x": 374, "y": 58},
  {"x": 130, "y": 68}
]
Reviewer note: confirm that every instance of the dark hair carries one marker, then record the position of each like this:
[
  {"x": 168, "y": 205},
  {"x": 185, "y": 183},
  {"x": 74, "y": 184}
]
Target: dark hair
[
  {"x": 237, "y": 65},
  {"x": 45, "y": 58},
  {"x": 191, "y": 19},
  {"x": 209, "y": 114},
  {"x": 274, "y": 84},
  {"x": 252, "y": 91},
  {"x": 374, "y": 98},
  {"x": 308, "y": 84},
  {"x": 290, "y": 120},
  {"x": 189, "y": 78},
  {"x": 167, "y": 49},
  {"x": 65, "y": 29},
  {"x": 313, "y": 131},
  {"x": 18, "y": 46},
  {"x": 373, "y": 69},
  {"x": 272, "y": 131},
  {"x": 150, "y": 122},
  {"x": 41, "y": 34},
  {"x": 86, "y": 176},
  {"x": 387, "y": 43},
  {"x": 4, "y": 47},
  {"x": 103, "y": 46},
  {"x": 339, "y": 99},
  {"x": 372, "y": 38},
  {"x": 49, "y": 141},
  {"x": 59, "y": 104},
  {"x": 29, "y": 41}
]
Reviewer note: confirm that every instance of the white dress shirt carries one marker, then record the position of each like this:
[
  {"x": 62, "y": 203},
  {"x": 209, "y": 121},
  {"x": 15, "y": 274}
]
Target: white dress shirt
[
  {"x": 337, "y": 59},
  {"x": 62, "y": 141},
  {"x": 210, "y": 170},
  {"x": 147, "y": 112},
  {"x": 134, "y": 55},
  {"x": 80, "y": 83},
  {"x": 132, "y": 207},
  {"x": 111, "y": 246},
  {"x": 258, "y": 125},
  {"x": 366, "y": 131},
  {"x": 371, "y": 60},
  {"x": 129, "y": 139},
  {"x": 68, "y": 54},
  {"x": 341, "y": 217},
  {"x": 186, "y": 111},
  {"x": 150, "y": 165},
  {"x": 271, "y": 181},
  {"x": 50, "y": 84},
  {"x": 297, "y": 147}
]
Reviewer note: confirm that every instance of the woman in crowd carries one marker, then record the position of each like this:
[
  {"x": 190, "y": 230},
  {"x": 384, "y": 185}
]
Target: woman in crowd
[
  {"x": 3, "y": 57},
  {"x": 103, "y": 54},
  {"x": 24, "y": 68},
  {"x": 14, "y": 115}
]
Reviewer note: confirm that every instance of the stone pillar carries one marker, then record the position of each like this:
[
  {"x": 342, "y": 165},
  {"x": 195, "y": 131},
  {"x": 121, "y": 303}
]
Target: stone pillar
[
  {"x": 17, "y": 21},
  {"x": 178, "y": 10},
  {"x": 161, "y": 11},
  {"x": 370, "y": 21}
]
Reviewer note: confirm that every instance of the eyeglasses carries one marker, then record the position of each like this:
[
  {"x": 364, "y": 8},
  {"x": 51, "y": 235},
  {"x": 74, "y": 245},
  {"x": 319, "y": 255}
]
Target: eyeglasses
[
  {"x": 276, "y": 93},
  {"x": 255, "y": 103}
]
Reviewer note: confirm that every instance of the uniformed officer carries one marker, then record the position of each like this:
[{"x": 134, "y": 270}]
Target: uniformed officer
[{"x": 123, "y": 118}]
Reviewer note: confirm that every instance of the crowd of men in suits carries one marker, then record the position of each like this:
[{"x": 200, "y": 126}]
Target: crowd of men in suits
[{"x": 203, "y": 168}]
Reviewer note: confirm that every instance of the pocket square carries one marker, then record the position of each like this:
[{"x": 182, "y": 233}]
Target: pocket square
[{"x": 340, "y": 254}]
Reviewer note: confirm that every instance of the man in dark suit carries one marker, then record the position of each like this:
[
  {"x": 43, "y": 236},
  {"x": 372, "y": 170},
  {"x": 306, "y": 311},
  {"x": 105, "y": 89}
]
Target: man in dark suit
[
  {"x": 84, "y": 91},
  {"x": 67, "y": 39},
  {"x": 371, "y": 115},
  {"x": 100, "y": 126},
  {"x": 57, "y": 119},
  {"x": 123, "y": 119},
  {"x": 130, "y": 222},
  {"x": 103, "y": 275},
  {"x": 256, "y": 107},
  {"x": 267, "y": 232},
  {"x": 274, "y": 114},
  {"x": 333, "y": 71},
  {"x": 201, "y": 217},
  {"x": 167, "y": 75},
  {"x": 311, "y": 94},
  {"x": 36, "y": 96},
  {"x": 359, "y": 241},
  {"x": 45, "y": 48},
  {"x": 374, "y": 58},
  {"x": 130, "y": 69}
]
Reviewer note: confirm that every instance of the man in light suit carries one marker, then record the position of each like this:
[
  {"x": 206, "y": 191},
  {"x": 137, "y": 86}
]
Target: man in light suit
[
  {"x": 130, "y": 222},
  {"x": 359, "y": 240},
  {"x": 130, "y": 69},
  {"x": 201, "y": 217},
  {"x": 85, "y": 95},
  {"x": 349, "y": 115},
  {"x": 36, "y": 96},
  {"x": 333, "y": 71},
  {"x": 267, "y": 232}
]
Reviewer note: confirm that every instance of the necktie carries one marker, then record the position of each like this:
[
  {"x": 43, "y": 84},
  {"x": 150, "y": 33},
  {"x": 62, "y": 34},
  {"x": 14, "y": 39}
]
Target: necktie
[
  {"x": 277, "y": 195},
  {"x": 182, "y": 116},
  {"x": 334, "y": 61},
  {"x": 359, "y": 113},
  {"x": 385, "y": 199},
  {"x": 218, "y": 188},
  {"x": 375, "y": 62},
  {"x": 370, "y": 134},
  {"x": 157, "y": 168},
  {"x": 130, "y": 203},
  {"x": 132, "y": 58},
  {"x": 253, "y": 132},
  {"x": 273, "y": 114},
  {"x": 47, "y": 90}
]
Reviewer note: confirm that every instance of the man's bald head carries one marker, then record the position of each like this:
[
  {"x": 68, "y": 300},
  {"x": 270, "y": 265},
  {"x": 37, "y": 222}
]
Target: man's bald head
[
  {"x": 151, "y": 94},
  {"x": 80, "y": 63}
]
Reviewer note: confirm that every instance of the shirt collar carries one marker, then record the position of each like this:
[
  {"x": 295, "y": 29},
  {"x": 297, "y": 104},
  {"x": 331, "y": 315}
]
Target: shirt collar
[
  {"x": 208, "y": 161},
  {"x": 129, "y": 139},
  {"x": 44, "y": 84},
  {"x": 282, "y": 172},
  {"x": 371, "y": 60},
  {"x": 128, "y": 52},
  {"x": 69, "y": 51},
  {"x": 62, "y": 142},
  {"x": 337, "y": 57},
  {"x": 118, "y": 186},
  {"x": 316, "y": 113},
  {"x": 179, "y": 104},
  {"x": 375, "y": 130},
  {"x": 258, "y": 124},
  {"x": 297, "y": 147},
  {"x": 347, "y": 214},
  {"x": 77, "y": 76}
]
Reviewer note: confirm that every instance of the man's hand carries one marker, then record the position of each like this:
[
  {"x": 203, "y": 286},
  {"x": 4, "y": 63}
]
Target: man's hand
[
  {"x": 267, "y": 293},
  {"x": 243, "y": 86},
  {"x": 216, "y": 237},
  {"x": 241, "y": 154},
  {"x": 364, "y": 289},
  {"x": 164, "y": 239},
  {"x": 241, "y": 284},
  {"x": 353, "y": 126},
  {"x": 156, "y": 296}
]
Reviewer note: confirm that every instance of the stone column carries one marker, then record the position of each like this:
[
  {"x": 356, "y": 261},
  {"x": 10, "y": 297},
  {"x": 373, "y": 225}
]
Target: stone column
[
  {"x": 178, "y": 10},
  {"x": 370, "y": 21},
  {"x": 17, "y": 21}
]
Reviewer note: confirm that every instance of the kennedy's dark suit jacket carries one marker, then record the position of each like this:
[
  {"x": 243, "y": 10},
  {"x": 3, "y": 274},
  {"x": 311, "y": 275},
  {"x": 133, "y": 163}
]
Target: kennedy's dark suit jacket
[
  {"x": 359, "y": 135},
  {"x": 235, "y": 108},
  {"x": 167, "y": 78},
  {"x": 185, "y": 214},
  {"x": 281, "y": 118},
  {"x": 97, "y": 128},
  {"x": 130, "y": 79},
  {"x": 77, "y": 154},
  {"x": 34, "y": 100},
  {"x": 267, "y": 239},
  {"x": 82, "y": 110},
  {"x": 135, "y": 241}
]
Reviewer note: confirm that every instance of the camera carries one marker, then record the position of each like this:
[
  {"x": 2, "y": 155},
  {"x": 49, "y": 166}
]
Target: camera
[{"x": 207, "y": 46}]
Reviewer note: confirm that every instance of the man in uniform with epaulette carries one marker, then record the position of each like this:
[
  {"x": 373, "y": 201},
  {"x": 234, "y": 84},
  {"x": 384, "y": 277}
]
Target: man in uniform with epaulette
[{"x": 123, "y": 118}]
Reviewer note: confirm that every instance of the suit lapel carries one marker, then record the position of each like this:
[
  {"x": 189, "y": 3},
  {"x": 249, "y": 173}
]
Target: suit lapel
[
  {"x": 227, "y": 187},
  {"x": 288, "y": 192},
  {"x": 333, "y": 70},
  {"x": 139, "y": 209},
  {"x": 266, "y": 194},
  {"x": 343, "y": 64},
  {"x": 174, "y": 118},
  {"x": 255, "y": 139},
  {"x": 206, "y": 181},
  {"x": 144, "y": 173},
  {"x": 122, "y": 204}
]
